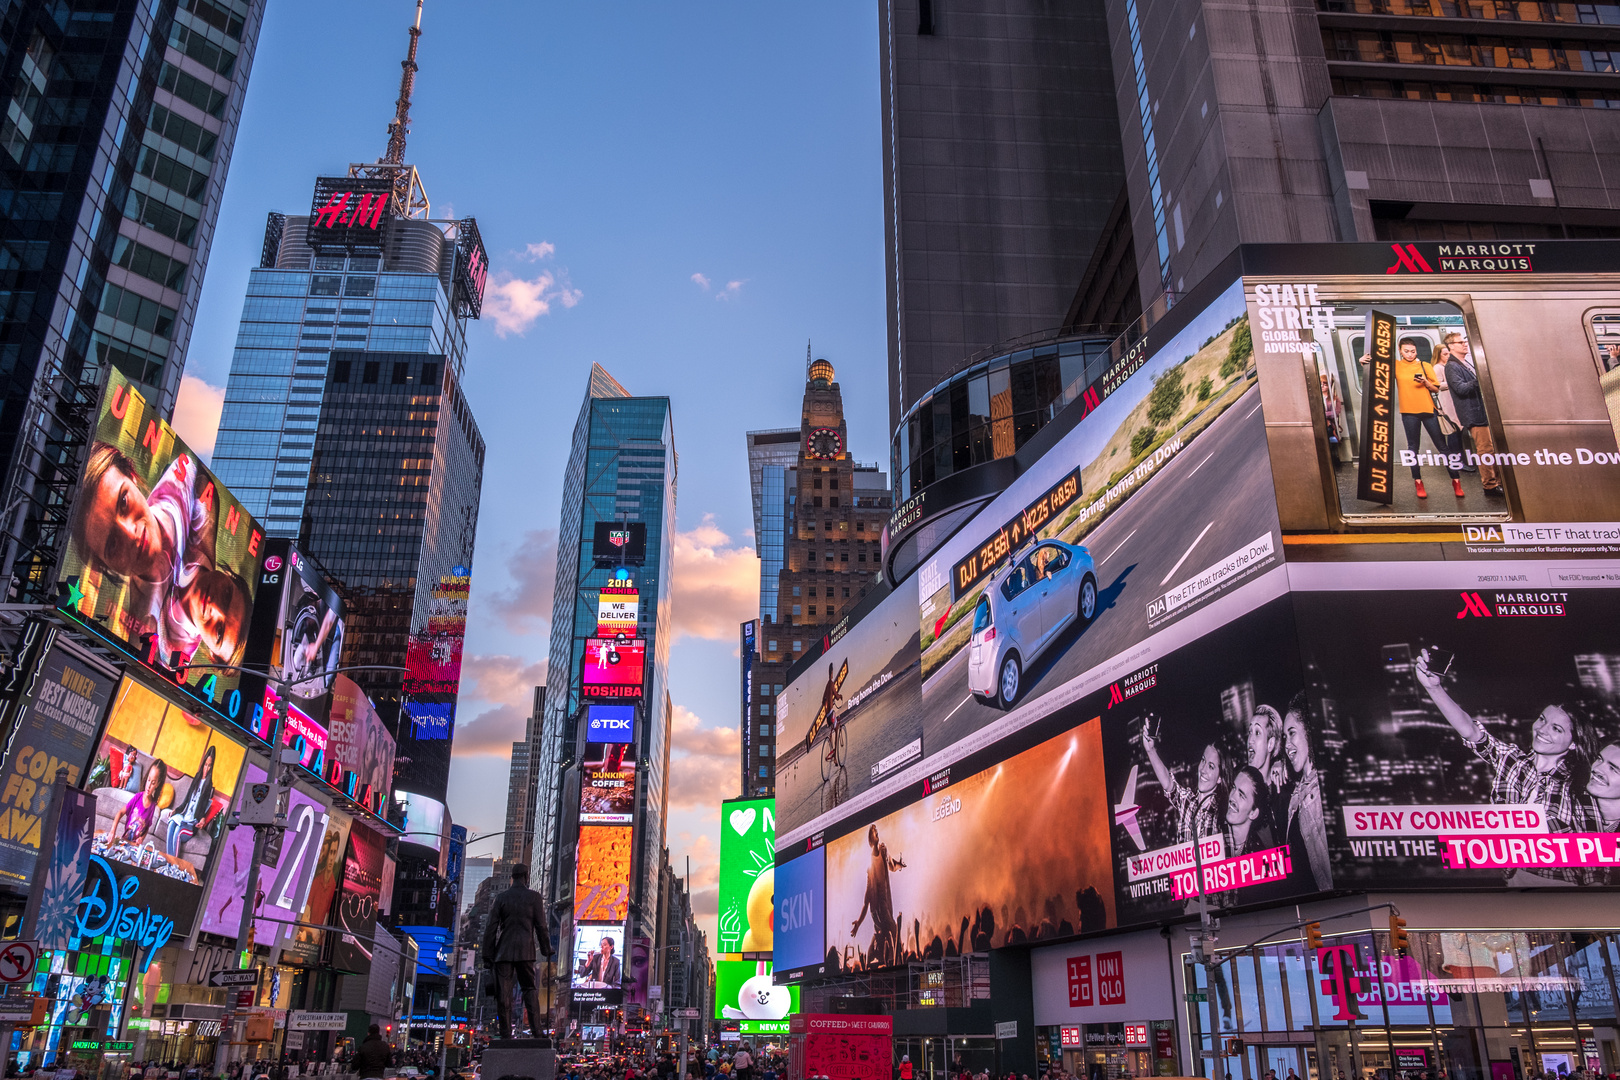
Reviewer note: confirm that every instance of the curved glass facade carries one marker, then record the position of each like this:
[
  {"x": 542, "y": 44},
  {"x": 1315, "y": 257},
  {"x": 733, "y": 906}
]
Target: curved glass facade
[{"x": 990, "y": 409}]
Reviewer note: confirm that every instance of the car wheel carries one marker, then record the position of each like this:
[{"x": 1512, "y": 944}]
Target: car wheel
[
  {"x": 1087, "y": 607},
  {"x": 1009, "y": 682}
]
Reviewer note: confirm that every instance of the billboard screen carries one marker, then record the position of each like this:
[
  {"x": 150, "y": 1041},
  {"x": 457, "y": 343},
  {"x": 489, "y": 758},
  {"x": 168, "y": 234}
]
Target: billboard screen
[
  {"x": 619, "y": 543},
  {"x": 432, "y": 681},
  {"x": 747, "y": 912},
  {"x": 598, "y": 970},
  {"x": 160, "y": 555},
  {"x": 1497, "y": 426},
  {"x": 359, "y": 738},
  {"x": 618, "y": 611},
  {"x": 744, "y": 990},
  {"x": 602, "y": 874},
  {"x": 613, "y": 669},
  {"x": 801, "y": 888},
  {"x": 284, "y": 881},
  {"x": 53, "y": 723},
  {"x": 349, "y": 212},
  {"x": 320, "y": 907},
  {"x": 607, "y": 792},
  {"x": 297, "y": 627},
  {"x": 163, "y": 782},
  {"x": 945, "y": 871},
  {"x": 359, "y": 899},
  {"x": 610, "y": 723},
  {"x": 422, "y": 819}
]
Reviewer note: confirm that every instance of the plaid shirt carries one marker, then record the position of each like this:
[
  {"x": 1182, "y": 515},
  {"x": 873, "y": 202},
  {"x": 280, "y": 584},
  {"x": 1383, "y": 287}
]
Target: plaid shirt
[
  {"x": 1517, "y": 781},
  {"x": 1192, "y": 809}
]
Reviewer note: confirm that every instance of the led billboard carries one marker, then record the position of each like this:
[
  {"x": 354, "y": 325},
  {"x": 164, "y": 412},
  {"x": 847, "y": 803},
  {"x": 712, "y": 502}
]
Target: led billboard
[
  {"x": 297, "y": 627},
  {"x": 801, "y": 896},
  {"x": 598, "y": 970},
  {"x": 747, "y": 911},
  {"x": 160, "y": 555},
  {"x": 163, "y": 781},
  {"x": 359, "y": 899},
  {"x": 610, "y": 723},
  {"x": 61, "y": 697},
  {"x": 602, "y": 874},
  {"x": 613, "y": 669},
  {"x": 619, "y": 543},
  {"x": 945, "y": 872},
  {"x": 432, "y": 681},
  {"x": 618, "y": 610},
  {"x": 422, "y": 820},
  {"x": 349, "y": 212},
  {"x": 284, "y": 879},
  {"x": 607, "y": 793},
  {"x": 359, "y": 738},
  {"x": 744, "y": 990},
  {"x": 320, "y": 908}
]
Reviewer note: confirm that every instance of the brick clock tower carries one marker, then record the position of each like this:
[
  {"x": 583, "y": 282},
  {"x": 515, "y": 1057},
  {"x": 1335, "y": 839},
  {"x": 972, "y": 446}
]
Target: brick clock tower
[{"x": 835, "y": 512}]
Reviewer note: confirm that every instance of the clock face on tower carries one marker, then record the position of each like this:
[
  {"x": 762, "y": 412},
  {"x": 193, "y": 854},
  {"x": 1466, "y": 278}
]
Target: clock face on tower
[{"x": 823, "y": 443}]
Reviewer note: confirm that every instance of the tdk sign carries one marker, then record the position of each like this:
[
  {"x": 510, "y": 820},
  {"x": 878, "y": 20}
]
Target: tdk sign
[{"x": 611, "y": 724}]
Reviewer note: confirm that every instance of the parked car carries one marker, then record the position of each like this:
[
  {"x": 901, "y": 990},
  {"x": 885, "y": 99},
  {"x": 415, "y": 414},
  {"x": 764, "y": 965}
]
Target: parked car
[{"x": 1023, "y": 610}]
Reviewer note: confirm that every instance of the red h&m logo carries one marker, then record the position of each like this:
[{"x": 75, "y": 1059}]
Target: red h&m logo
[
  {"x": 367, "y": 210},
  {"x": 1473, "y": 605},
  {"x": 1341, "y": 984},
  {"x": 1114, "y": 696},
  {"x": 1111, "y": 978},
  {"x": 1080, "y": 982},
  {"x": 1408, "y": 258}
]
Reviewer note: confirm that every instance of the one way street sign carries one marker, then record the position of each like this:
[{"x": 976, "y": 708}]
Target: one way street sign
[{"x": 235, "y": 978}]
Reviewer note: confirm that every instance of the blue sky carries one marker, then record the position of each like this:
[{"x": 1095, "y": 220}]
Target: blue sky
[{"x": 682, "y": 193}]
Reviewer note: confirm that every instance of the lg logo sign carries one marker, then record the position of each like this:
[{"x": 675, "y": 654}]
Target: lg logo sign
[{"x": 1108, "y": 987}]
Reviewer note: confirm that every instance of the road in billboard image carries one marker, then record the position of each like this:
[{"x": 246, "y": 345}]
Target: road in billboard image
[
  {"x": 1015, "y": 853},
  {"x": 1475, "y": 734},
  {"x": 1174, "y": 506}
]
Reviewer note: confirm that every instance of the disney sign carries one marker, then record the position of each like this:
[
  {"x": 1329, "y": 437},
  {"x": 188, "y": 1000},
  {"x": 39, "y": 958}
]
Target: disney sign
[{"x": 105, "y": 909}]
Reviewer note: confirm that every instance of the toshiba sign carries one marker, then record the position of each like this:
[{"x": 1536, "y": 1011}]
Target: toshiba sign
[{"x": 1124, "y": 979}]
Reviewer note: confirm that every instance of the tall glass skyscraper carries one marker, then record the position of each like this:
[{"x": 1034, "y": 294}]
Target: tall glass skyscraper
[
  {"x": 772, "y": 455},
  {"x": 621, "y": 469},
  {"x": 115, "y": 139}
]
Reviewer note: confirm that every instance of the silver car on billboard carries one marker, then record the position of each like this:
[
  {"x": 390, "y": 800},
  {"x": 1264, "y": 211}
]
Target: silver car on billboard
[{"x": 1049, "y": 587}]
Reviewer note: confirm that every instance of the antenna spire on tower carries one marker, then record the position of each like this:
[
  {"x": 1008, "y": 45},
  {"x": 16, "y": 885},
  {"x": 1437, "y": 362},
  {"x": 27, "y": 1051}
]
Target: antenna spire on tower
[
  {"x": 400, "y": 125},
  {"x": 807, "y": 355}
]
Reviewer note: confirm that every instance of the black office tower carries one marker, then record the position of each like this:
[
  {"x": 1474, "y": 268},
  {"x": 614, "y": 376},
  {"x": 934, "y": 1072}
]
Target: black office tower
[{"x": 115, "y": 139}]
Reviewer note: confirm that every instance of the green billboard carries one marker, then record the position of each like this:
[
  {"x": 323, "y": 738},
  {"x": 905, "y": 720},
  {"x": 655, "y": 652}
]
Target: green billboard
[
  {"x": 747, "y": 876},
  {"x": 743, "y": 991}
]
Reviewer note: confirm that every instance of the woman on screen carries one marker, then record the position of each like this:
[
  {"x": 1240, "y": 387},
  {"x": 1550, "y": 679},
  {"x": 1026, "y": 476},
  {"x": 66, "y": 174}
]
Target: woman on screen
[
  {"x": 137, "y": 815},
  {"x": 198, "y": 802},
  {"x": 1196, "y": 807}
]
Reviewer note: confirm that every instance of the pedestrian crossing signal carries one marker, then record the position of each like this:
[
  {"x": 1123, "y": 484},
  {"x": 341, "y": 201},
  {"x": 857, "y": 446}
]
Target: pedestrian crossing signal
[{"x": 1398, "y": 941}]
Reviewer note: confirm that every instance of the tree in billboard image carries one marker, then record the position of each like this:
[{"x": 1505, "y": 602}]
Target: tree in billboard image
[
  {"x": 1503, "y": 709},
  {"x": 159, "y": 554},
  {"x": 947, "y": 876}
]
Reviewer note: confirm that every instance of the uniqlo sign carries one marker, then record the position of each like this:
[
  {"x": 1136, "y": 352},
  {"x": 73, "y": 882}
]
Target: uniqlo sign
[
  {"x": 1097, "y": 980},
  {"x": 1080, "y": 989}
]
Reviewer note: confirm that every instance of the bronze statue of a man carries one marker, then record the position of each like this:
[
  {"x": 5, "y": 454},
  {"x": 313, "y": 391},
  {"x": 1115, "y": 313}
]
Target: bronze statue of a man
[{"x": 514, "y": 938}]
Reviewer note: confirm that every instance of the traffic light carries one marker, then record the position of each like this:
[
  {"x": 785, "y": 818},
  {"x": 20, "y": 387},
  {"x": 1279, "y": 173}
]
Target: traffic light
[
  {"x": 1313, "y": 936},
  {"x": 1398, "y": 941},
  {"x": 1234, "y": 1047}
]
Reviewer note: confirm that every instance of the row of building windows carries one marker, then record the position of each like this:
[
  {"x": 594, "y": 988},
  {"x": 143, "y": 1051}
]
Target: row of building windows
[
  {"x": 163, "y": 169},
  {"x": 1503, "y": 10},
  {"x": 192, "y": 91},
  {"x": 1469, "y": 50},
  {"x": 193, "y": 42},
  {"x": 153, "y": 265},
  {"x": 138, "y": 311},
  {"x": 1418, "y": 90}
]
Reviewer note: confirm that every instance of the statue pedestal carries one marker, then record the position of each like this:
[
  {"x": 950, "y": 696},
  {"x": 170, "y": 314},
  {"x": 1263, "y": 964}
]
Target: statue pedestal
[{"x": 526, "y": 1059}]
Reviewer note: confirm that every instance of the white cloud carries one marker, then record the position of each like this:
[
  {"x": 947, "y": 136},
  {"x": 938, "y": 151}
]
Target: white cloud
[
  {"x": 701, "y": 282},
  {"x": 536, "y": 252},
  {"x": 507, "y": 684},
  {"x": 515, "y": 303},
  {"x": 716, "y": 584},
  {"x": 196, "y": 414},
  {"x": 732, "y": 290},
  {"x": 705, "y": 762},
  {"x": 526, "y": 607}
]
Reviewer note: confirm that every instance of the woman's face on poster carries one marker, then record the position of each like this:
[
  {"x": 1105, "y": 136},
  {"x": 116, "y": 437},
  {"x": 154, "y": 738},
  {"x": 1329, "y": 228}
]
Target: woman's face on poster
[
  {"x": 120, "y": 529},
  {"x": 1209, "y": 769},
  {"x": 1295, "y": 742},
  {"x": 1553, "y": 732}
]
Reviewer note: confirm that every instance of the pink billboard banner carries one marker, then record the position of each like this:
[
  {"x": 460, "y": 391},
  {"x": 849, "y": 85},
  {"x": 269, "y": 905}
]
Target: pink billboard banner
[
  {"x": 1240, "y": 871},
  {"x": 1531, "y": 851}
]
